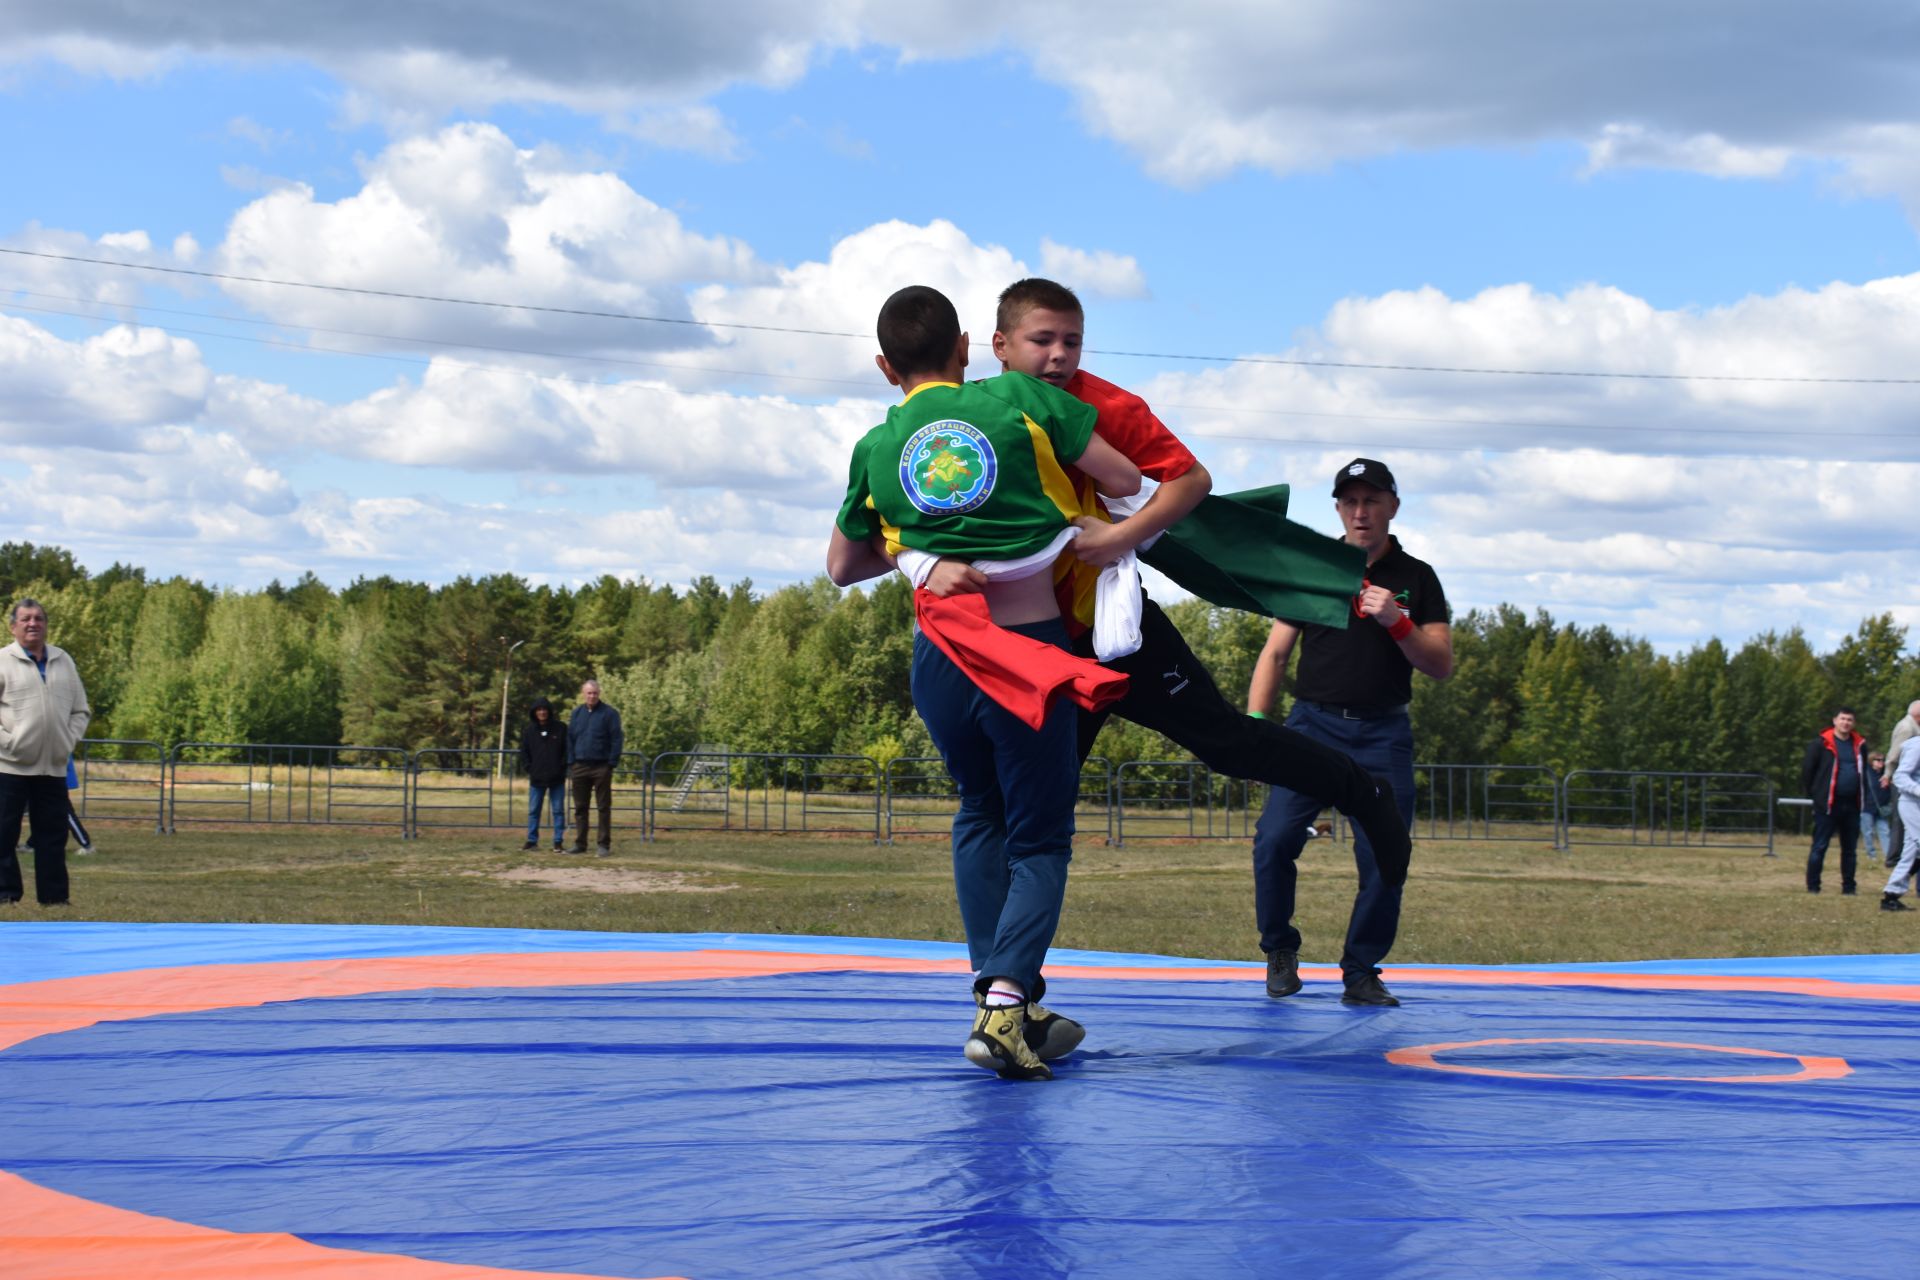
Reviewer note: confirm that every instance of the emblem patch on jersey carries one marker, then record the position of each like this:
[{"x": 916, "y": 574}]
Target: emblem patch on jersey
[{"x": 948, "y": 468}]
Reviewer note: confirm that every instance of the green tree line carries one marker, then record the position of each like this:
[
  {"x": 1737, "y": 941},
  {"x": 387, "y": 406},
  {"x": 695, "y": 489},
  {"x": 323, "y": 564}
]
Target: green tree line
[{"x": 811, "y": 669}]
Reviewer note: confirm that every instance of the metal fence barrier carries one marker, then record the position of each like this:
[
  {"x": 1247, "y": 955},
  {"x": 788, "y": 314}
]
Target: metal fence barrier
[
  {"x": 121, "y": 778},
  {"x": 1182, "y": 799},
  {"x": 1486, "y": 802},
  {"x": 483, "y": 789},
  {"x": 465, "y": 788},
  {"x": 715, "y": 789},
  {"x": 286, "y": 784},
  {"x": 1802, "y": 809},
  {"x": 921, "y": 798},
  {"x": 1667, "y": 807},
  {"x": 748, "y": 791}
]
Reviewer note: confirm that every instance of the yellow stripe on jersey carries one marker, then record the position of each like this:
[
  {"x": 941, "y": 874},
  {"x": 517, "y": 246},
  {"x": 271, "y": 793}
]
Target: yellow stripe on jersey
[
  {"x": 1053, "y": 477},
  {"x": 1071, "y": 501},
  {"x": 891, "y": 532}
]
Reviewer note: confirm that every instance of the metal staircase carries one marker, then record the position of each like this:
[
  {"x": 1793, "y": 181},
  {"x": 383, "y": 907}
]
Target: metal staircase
[{"x": 705, "y": 761}]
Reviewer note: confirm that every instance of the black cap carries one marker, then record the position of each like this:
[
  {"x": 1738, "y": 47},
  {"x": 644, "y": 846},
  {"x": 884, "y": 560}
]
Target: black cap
[{"x": 1366, "y": 471}]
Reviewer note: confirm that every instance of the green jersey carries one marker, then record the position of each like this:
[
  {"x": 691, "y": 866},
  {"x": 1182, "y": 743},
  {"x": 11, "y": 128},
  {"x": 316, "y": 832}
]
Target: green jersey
[{"x": 972, "y": 470}]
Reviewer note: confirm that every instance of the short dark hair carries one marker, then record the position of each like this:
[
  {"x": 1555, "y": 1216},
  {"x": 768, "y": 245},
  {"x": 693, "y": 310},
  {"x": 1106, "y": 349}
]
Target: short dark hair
[
  {"x": 24, "y": 602},
  {"x": 1034, "y": 293},
  {"x": 1846, "y": 711},
  {"x": 918, "y": 330}
]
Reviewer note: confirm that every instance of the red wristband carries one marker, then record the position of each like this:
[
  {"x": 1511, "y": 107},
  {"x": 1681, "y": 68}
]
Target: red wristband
[{"x": 1401, "y": 629}]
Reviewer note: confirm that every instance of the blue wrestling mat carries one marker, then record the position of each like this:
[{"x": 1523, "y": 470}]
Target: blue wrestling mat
[{"x": 257, "y": 1101}]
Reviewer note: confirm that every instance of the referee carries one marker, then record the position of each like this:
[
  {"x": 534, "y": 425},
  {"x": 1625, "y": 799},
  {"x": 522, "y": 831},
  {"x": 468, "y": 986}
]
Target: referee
[{"x": 1352, "y": 693}]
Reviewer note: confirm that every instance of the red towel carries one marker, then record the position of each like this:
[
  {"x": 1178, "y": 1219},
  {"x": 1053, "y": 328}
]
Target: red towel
[{"x": 1020, "y": 673}]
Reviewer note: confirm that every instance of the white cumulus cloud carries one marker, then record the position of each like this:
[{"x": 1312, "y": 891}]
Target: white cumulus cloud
[
  {"x": 1099, "y": 272},
  {"x": 465, "y": 213}
]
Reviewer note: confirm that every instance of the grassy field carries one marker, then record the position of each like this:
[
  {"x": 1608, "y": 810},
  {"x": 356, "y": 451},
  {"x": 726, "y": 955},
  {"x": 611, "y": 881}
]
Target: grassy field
[{"x": 1468, "y": 902}]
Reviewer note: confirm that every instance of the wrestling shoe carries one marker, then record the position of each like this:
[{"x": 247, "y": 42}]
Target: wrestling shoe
[
  {"x": 999, "y": 1044},
  {"x": 1367, "y": 989},
  {"x": 1051, "y": 1035},
  {"x": 1283, "y": 973},
  {"x": 1891, "y": 902}
]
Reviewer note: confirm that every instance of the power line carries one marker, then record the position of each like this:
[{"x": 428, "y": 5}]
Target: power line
[
  {"x": 420, "y": 362},
  {"x": 1514, "y": 373},
  {"x": 401, "y": 295},
  {"x": 1504, "y": 423},
  {"x": 586, "y": 313},
  {"x": 451, "y": 344}
]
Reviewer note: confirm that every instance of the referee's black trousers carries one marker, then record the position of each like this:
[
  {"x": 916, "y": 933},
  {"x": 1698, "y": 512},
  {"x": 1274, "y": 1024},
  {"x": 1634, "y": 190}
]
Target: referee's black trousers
[{"x": 1170, "y": 692}]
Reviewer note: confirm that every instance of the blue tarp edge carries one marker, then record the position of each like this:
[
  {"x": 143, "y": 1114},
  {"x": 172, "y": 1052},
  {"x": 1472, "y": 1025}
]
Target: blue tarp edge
[{"x": 34, "y": 951}]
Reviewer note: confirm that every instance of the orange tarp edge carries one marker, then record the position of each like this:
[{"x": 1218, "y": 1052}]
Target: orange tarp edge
[{"x": 53, "y": 1236}]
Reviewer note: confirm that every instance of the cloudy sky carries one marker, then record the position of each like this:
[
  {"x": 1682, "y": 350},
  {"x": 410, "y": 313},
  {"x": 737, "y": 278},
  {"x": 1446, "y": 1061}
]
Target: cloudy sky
[{"x": 1627, "y": 295}]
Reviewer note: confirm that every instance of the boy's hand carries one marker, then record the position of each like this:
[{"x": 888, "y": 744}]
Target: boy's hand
[
  {"x": 955, "y": 578},
  {"x": 1101, "y": 542}
]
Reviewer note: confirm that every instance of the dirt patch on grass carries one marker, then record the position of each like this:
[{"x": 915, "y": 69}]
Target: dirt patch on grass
[{"x": 608, "y": 880}]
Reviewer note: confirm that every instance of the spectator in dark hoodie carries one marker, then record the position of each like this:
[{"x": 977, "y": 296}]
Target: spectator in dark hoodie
[{"x": 543, "y": 758}]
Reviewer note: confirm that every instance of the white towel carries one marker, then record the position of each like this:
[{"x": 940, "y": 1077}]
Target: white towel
[
  {"x": 1116, "y": 598},
  {"x": 1116, "y": 610}
]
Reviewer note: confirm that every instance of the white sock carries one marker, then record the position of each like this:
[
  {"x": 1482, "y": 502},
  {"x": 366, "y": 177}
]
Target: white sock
[{"x": 1003, "y": 992}]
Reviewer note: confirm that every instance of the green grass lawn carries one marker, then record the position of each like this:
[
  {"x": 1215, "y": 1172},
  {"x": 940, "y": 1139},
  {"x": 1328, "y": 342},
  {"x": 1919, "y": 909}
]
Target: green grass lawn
[{"x": 1468, "y": 902}]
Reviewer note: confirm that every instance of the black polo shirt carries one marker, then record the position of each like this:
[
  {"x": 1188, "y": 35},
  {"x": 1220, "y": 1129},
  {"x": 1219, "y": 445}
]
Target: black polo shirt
[{"x": 1362, "y": 666}]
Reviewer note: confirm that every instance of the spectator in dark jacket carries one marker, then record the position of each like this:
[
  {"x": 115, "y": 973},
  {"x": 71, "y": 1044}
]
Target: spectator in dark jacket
[
  {"x": 543, "y": 758},
  {"x": 1834, "y": 775},
  {"x": 594, "y": 744}
]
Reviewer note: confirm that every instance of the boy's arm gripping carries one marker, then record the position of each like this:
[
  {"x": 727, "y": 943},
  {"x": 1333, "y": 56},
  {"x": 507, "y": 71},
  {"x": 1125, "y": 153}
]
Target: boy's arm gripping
[{"x": 1101, "y": 542}]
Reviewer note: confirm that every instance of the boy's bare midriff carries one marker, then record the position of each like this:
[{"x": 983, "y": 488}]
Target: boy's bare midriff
[{"x": 1028, "y": 599}]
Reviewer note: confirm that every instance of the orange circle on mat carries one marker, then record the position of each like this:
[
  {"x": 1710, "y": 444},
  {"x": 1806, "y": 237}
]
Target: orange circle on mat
[{"x": 1811, "y": 1068}]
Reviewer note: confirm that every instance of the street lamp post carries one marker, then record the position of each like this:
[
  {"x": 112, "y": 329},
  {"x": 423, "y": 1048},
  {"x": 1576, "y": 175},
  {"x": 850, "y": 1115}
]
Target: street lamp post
[{"x": 506, "y": 683}]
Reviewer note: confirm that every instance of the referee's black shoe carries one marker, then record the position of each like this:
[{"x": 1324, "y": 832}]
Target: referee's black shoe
[
  {"x": 1283, "y": 973},
  {"x": 1891, "y": 902},
  {"x": 1367, "y": 989}
]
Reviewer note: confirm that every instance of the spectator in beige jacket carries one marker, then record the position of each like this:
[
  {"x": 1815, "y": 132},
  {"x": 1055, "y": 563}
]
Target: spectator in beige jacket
[{"x": 43, "y": 715}]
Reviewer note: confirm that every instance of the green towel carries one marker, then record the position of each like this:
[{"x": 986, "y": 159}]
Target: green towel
[{"x": 1239, "y": 551}]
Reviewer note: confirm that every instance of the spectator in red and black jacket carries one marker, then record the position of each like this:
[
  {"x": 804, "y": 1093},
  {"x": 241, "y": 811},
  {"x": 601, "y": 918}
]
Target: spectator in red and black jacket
[{"x": 1834, "y": 776}]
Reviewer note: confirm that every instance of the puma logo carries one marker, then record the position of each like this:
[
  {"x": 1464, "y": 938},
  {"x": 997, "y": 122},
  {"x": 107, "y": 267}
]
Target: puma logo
[{"x": 1174, "y": 675}]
